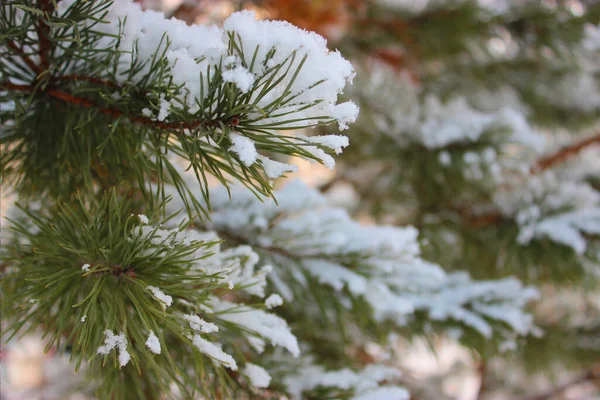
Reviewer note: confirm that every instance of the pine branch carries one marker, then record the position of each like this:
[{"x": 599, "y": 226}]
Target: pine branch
[
  {"x": 111, "y": 112},
  {"x": 591, "y": 375},
  {"x": 563, "y": 154}
]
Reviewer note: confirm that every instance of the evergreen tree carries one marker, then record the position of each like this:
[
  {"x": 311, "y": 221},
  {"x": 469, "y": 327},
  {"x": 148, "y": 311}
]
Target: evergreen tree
[{"x": 150, "y": 246}]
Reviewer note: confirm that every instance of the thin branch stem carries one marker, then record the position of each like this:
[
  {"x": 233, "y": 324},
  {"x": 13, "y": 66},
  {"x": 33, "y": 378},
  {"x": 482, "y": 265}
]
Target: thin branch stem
[
  {"x": 563, "y": 154},
  {"x": 79, "y": 78},
  {"x": 26, "y": 59},
  {"x": 591, "y": 375},
  {"x": 43, "y": 31},
  {"x": 482, "y": 371},
  {"x": 111, "y": 112}
]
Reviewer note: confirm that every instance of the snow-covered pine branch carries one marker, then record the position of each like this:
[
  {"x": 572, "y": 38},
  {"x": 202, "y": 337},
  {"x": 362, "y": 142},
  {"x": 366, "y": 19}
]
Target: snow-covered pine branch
[
  {"x": 219, "y": 97},
  {"x": 309, "y": 242},
  {"x": 148, "y": 297}
]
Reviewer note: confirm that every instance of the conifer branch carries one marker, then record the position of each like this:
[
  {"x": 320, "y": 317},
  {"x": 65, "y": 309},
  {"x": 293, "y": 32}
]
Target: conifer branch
[
  {"x": 563, "y": 154},
  {"x": 111, "y": 112}
]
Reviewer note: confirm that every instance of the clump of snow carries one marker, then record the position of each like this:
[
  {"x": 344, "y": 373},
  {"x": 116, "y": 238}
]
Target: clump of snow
[
  {"x": 112, "y": 341},
  {"x": 258, "y": 376},
  {"x": 244, "y": 148},
  {"x": 153, "y": 343},
  {"x": 198, "y": 324},
  {"x": 275, "y": 169},
  {"x": 163, "y": 112},
  {"x": 345, "y": 113},
  {"x": 215, "y": 352},
  {"x": 273, "y": 301},
  {"x": 163, "y": 299},
  {"x": 334, "y": 142},
  {"x": 240, "y": 76}
]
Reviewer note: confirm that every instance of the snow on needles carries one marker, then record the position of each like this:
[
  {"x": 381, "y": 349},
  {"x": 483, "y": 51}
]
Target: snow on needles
[
  {"x": 244, "y": 148},
  {"x": 215, "y": 352},
  {"x": 547, "y": 206},
  {"x": 380, "y": 264},
  {"x": 407, "y": 115},
  {"x": 112, "y": 341},
  {"x": 307, "y": 86},
  {"x": 200, "y": 325},
  {"x": 365, "y": 384},
  {"x": 152, "y": 343},
  {"x": 273, "y": 300},
  {"x": 163, "y": 299},
  {"x": 232, "y": 269},
  {"x": 268, "y": 326},
  {"x": 257, "y": 375}
]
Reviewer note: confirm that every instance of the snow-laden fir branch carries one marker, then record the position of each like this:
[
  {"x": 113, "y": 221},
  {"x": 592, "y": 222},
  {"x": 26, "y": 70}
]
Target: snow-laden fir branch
[
  {"x": 379, "y": 265},
  {"x": 220, "y": 97}
]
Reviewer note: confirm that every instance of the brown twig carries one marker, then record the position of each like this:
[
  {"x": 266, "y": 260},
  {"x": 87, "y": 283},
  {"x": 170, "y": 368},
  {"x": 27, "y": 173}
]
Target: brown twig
[
  {"x": 79, "y": 78},
  {"x": 481, "y": 370},
  {"x": 591, "y": 375},
  {"x": 483, "y": 220},
  {"x": 34, "y": 67},
  {"x": 563, "y": 154},
  {"x": 43, "y": 31},
  {"x": 82, "y": 102}
]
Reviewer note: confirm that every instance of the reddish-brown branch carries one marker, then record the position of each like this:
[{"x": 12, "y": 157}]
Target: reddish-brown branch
[
  {"x": 18, "y": 88},
  {"x": 34, "y": 67},
  {"x": 592, "y": 375},
  {"x": 481, "y": 221},
  {"x": 563, "y": 154},
  {"x": 43, "y": 32},
  {"x": 81, "y": 102},
  {"x": 79, "y": 78},
  {"x": 482, "y": 371}
]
